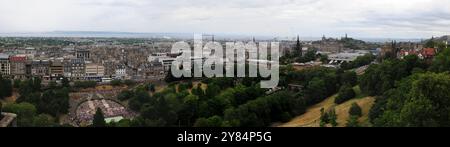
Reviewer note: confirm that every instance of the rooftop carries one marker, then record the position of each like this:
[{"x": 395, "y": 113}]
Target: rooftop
[
  {"x": 7, "y": 119},
  {"x": 4, "y": 56}
]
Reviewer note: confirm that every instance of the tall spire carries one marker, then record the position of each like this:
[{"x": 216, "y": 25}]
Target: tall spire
[{"x": 298, "y": 47}]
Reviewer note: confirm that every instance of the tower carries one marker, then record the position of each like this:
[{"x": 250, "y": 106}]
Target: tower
[{"x": 298, "y": 46}]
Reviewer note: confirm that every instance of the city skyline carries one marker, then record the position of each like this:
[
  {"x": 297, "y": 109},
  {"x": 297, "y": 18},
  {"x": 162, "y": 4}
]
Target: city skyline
[{"x": 312, "y": 18}]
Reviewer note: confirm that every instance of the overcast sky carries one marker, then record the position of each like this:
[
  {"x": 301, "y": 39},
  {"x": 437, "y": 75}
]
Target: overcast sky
[{"x": 309, "y": 18}]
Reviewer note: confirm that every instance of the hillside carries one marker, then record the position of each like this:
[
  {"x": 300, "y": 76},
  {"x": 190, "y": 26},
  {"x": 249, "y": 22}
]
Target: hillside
[{"x": 312, "y": 116}]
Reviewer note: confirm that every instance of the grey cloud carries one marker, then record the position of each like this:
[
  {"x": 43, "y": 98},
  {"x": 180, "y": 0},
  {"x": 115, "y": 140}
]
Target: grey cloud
[
  {"x": 288, "y": 17},
  {"x": 427, "y": 21}
]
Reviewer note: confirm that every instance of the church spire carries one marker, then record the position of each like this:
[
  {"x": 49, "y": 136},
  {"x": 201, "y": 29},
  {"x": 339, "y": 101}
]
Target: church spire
[{"x": 298, "y": 47}]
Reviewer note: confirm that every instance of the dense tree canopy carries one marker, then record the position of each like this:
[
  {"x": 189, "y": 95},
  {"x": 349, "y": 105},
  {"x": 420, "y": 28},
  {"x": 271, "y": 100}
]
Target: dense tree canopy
[
  {"x": 345, "y": 93},
  {"x": 421, "y": 100},
  {"x": 441, "y": 63},
  {"x": 6, "y": 87}
]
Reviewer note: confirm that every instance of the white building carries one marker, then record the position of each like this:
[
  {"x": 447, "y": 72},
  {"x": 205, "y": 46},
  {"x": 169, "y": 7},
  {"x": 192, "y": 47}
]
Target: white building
[
  {"x": 165, "y": 59},
  {"x": 121, "y": 72}
]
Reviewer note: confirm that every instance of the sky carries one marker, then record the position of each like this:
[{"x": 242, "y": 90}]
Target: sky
[{"x": 308, "y": 18}]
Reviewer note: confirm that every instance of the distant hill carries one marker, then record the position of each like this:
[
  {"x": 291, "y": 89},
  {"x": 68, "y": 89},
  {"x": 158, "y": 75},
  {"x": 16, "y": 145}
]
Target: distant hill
[{"x": 443, "y": 38}]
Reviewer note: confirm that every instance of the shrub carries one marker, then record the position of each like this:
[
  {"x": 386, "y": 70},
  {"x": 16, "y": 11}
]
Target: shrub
[
  {"x": 345, "y": 93},
  {"x": 355, "y": 110}
]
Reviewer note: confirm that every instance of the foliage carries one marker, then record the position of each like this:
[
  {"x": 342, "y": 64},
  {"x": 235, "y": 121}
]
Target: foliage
[
  {"x": 99, "y": 119},
  {"x": 264, "y": 110},
  {"x": 349, "y": 78},
  {"x": 329, "y": 117},
  {"x": 441, "y": 63},
  {"x": 215, "y": 121},
  {"x": 24, "y": 111},
  {"x": 116, "y": 82},
  {"x": 6, "y": 87},
  {"x": 345, "y": 93},
  {"x": 129, "y": 82},
  {"x": 360, "y": 61},
  {"x": 380, "y": 78},
  {"x": 54, "y": 102},
  {"x": 65, "y": 82},
  {"x": 125, "y": 95},
  {"x": 421, "y": 100},
  {"x": 139, "y": 98},
  {"x": 355, "y": 110},
  {"x": 85, "y": 84},
  {"x": 352, "y": 121}
]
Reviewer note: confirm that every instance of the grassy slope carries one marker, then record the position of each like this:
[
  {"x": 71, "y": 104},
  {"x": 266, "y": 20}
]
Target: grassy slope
[{"x": 312, "y": 116}]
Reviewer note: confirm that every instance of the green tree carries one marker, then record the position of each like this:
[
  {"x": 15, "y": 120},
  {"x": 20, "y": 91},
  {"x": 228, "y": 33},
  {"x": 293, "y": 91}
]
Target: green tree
[
  {"x": 5, "y": 87},
  {"x": 352, "y": 121},
  {"x": 421, "y": 100},
  {"x": 129, "y": 82},
  {"x": 355, "y": 110},
  {"x": 25, "y": 113},
  {"x": 125, "y": 95},
  {"x": 419, "y": 113},
  {"x": 65, "y": 82},
  {"x": 37, "y": 84},
  {"x": 323, "y": 115},
  {"x": 116, "y": 82},
  {"x": 43, "y": 120},
  {"x": 441, "y": 62},
  {"x": 324, "y": 58},
  {"x": 380, "y": 78},
  {"x": 349, "y": 78},
  {"x": 99, "y": 119},
  {"x": 17, "y": 83},
  {"x": 345, "y": 93},
  {"x": 430, "y": 44},
  {"x": 316, "y": 90},
  {"x": 189, "y": 110},
  {"x": 332, "y": 117},
  {"x": 54, "y": 102},
  {"x": 212, "y": 91},
  {"x": 152, "y": 87},
  {"x": 215, "y": 121},
  {"x": 139, "y": 98}
]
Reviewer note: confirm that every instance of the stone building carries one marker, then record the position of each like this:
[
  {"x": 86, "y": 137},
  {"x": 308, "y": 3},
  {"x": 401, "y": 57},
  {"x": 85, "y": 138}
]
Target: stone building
[
  {"x": 18, "y": 66},
  {"x": 5, "y": 66},
  {"x": 56, "y": 70},
  {"x": 94, "y": 72},
  {"x": 41, "y": 69},
  {"x": 76, "y": 67},
  {"x": 83, "y": 54}
]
